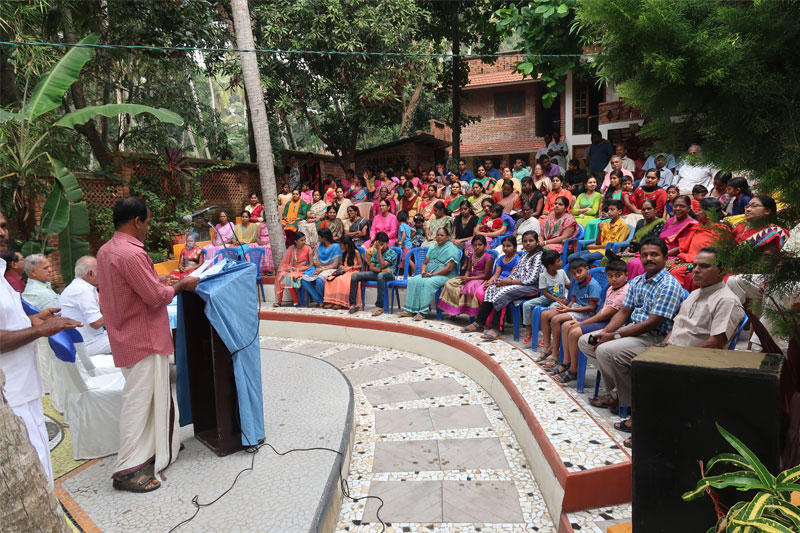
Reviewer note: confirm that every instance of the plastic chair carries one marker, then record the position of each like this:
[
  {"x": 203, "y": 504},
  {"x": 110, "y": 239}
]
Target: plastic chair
[
  {"x": 537, "y": 316},
  {"x": 393, "y": 286},
  {"x": 599, "y": 274},
  {"x": 365, "y": 284},
  {"x": 735, "y": 338},
  {"x": 256, "y": 256},
  {"x": 93, "y": 405},
  {"x": 578, "y": 236},
  {"x": 613, "y": 246},
  {"x": 364, "y": 208},
  {"x": 230, "y": 253}
]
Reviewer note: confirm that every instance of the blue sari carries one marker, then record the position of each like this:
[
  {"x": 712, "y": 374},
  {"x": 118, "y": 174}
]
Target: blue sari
[{"x": 422, "y": 290}]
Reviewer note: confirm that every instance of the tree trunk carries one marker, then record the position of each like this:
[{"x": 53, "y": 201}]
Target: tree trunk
[
  {"x": 199, "y": 118},
  {"x": 251, "y": 138},
  {"x": 456, "y": 123},
  {"x": 258, "y": 117},
  {"x": 213, "y": 101},
  {"x": 289, "y": 130},
  {"x": 408, "y": 112},
  {"x": 28, "y": 501}
]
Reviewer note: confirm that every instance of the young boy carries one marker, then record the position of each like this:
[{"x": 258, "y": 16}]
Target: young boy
[
  {"x": 615, "y": 230},
  {"x": 699, "y": 193},
  {"x": 418, "y": 234},
  {"x": 617, "y": 274},
  {"x": 581, "y": 306},
  {"x": 553, "y": 284}
]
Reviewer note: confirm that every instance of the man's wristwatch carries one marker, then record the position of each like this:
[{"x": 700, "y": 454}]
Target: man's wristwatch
[{"x": 617, "y": 335}]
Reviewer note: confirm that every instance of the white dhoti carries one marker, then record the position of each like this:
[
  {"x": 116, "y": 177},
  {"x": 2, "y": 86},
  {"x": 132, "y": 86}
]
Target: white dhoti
[
  {"x": 33, "y": 415},
  {"x": 149, "y": 419}
]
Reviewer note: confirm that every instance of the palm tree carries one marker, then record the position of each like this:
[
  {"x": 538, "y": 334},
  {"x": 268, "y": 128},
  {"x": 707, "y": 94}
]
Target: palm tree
[{"x": 258, "y": 111}]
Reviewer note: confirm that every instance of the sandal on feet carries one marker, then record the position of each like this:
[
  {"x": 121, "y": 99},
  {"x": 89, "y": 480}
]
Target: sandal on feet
[
  {"x": 405, "y": 314},
  {"x": 419, "y": 316},
  {"x": 542, "y": 357},
  {"x": 559, "y": 369},
  {"x": 624, "y": 426},
  {"x": 140, "y": 481},
  {"x": 628, "y": 443},
  {"x": 565, "y": 377},
  {"x": 491, "y": 335},
  {"x": 527, "y": 340},
  {"x": 602, "y": 401},
  {"x": 472, "y": 328},
  {"x": 549, "y": 363}
]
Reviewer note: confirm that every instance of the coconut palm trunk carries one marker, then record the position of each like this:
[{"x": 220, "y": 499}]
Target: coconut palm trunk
[{"x": 258, "y": 113}]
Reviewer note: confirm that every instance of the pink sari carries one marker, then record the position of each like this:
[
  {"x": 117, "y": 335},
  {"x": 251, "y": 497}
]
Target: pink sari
[{"x": 671, "y": 233}]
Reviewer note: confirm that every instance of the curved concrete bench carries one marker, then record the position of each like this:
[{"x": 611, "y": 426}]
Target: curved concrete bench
[{"x": 564, "y": 489}]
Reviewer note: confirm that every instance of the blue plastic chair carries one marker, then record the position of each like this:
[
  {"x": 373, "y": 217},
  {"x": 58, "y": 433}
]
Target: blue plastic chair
[
  {"x": 231, "y": 254},
  {"x": 735, "y": 338},
  {"x": 599, "y": 274},
  {"x": 256, "y": 256},
  {"x": 365, "y": 284},
  {"x": 578, "y": 236},
  {"x": 537, "y": 316},
  {"x": 395, "y": 285},
  {"x": 613, "y": 246}
]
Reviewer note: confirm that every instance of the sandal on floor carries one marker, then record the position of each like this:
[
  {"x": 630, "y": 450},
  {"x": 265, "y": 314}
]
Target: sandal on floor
[
  {"x": 138, "y": 481},
  {"x": 624, "y": 426},
  {"x": 542, "y": 357},
  {"x": 602, "y": 401},
  {"x": 491, "y": 335},
  {"x": 565, "y": 377},
  {"x": 472, "y": 328}
]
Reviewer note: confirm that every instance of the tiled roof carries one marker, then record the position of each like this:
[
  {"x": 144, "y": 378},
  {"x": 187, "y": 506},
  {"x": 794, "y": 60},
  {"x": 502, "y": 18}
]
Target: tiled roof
[
  {"x": 528, "y": 145},
  {"x": 495, "y": 78}
]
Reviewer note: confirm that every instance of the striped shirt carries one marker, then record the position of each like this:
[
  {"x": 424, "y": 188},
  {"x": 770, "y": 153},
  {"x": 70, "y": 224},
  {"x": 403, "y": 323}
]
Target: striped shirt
[{"x": 660, "y": 295}]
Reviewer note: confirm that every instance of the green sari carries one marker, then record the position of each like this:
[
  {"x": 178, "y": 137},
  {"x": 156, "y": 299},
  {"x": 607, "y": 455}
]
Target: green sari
[
  {"x": 421, "y": 290},
  {"x": 456, "y": 203},
  {"x": 434, "y": 224},
  {"x": 643, "y": 230},
  {"x": 584, "y": 202}
]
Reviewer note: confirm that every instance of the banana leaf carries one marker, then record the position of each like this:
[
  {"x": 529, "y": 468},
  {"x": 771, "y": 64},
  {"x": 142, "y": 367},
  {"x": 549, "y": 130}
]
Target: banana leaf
[
  {"x": 79, "y": 219},
  {"x": 85, "y": 114},
  {"x": 72, "y": 189},
  {"x": 8, "y": 115},
  {"x": 52, "y": 86},
  {"x": 31, "y": 247},
  {"x": 56, "y": 211}
]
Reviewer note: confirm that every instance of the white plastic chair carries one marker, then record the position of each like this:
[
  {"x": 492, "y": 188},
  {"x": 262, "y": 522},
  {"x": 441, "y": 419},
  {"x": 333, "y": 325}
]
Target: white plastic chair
[{"x": 93, "y": 408}]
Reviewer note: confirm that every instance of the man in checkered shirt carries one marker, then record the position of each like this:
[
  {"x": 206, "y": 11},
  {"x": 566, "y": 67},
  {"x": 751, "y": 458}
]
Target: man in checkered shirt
[{"x": 645, "y": 318}]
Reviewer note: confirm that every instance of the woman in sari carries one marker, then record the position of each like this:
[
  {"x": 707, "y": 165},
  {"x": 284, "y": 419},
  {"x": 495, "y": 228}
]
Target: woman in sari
[
  {"x": 383, "y": 194},
  {"x": 540, "y": 181},
  {"x": 508, "y": 198},
  {"x": 460, "y": 293},
  {"x": 558, "y": 189},
  {"x": 427, "y": 203},
  {"x": 386, "y": 222},
  {"x": 358, "y": 226},
  {"x": 476, "y": 199},
  {"x": 441, "y": 263},
  {"x": 325, "y": 260},
  {"x": 487, "y": 182},
  {"x": 332, "y": 223},
  {"x": 650, "y": 190},
  {"x": 294, "y": 213},
  {"x": 532, "y": 196},
  {"x": 223, "y": 235},
  {"x": 295, "y": 261},
  {"x": 314, "y": 216},
  {"x": 410, "y": 202},
  {"x": 337, "y": 285},
  {"x": 523, "y": 281},
  {"x": 651, "y": 224},
  {"x": 191, "y": 257},
  {"x": 558, "y": 227},
  {"x": 358, "y": 190},
  {"x": 587, "y": 206},
  {"x": 255, "y": 208},
  {"x": 705, "y": 233},
  {"x": 464, "y": 225},
  {"x": 455, "y": 198},
  {"x": 675, "y": 229},
  {"x": 342, "y": 204},
  {"x": 440, "y": 219},
  {"x": 267, "y": 266},
  {"x": 247, "y": 231},
  {"x": 507, "y": 175},
  {"x": 614, "y": 192}
]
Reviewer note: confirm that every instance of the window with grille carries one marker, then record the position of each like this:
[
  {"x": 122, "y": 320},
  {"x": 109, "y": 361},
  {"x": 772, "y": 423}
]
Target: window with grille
[{"x": 509, "y": 104}]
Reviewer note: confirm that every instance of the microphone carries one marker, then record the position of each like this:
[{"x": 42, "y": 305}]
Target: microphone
[{"x": 188, "y": 218}]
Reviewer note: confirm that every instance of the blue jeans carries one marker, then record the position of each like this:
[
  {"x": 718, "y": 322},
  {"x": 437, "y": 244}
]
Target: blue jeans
[
  {"x": 527, "y": 308},
  {"x": 315, "y": 289},
  {"x": 587, "y": 256}
]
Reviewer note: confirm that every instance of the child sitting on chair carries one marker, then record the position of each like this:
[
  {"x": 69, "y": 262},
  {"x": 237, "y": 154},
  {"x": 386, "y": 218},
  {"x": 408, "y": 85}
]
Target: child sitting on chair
[
  {"x": 617, "y": 274},
  {"x": 553, "y": 285},
  {"x": 581, "y": 306},
  {"x": 614, "y": 230}
]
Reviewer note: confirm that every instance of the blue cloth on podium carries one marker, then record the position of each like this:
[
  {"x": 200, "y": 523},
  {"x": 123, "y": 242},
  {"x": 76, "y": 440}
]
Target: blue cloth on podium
[{"x": 231, "y": 303}]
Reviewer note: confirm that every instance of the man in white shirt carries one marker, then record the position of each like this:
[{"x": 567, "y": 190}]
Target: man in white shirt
[
  {"x": 79, "y": 301},
  {"x": 23, "y": 388},
  {"x": 558, "y": 150},
  {"x": 627, "y": 163},
  {"x": 691, "y": 174}
]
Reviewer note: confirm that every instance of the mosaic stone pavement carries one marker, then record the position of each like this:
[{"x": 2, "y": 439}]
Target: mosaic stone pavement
[{"x": 435, "y": 447}]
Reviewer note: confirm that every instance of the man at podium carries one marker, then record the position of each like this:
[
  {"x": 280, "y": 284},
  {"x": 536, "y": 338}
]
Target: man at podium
[{"x": 134, "y": 301}]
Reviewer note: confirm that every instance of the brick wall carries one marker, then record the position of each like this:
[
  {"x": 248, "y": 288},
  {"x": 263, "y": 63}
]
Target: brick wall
[{"x": 397, "y": 157}]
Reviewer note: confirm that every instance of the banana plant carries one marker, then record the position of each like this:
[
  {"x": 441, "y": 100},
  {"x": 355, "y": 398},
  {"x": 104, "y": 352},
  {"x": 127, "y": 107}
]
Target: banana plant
[
  {"x": 770, "y": 510},
  {"x": 64, "y": 212}
]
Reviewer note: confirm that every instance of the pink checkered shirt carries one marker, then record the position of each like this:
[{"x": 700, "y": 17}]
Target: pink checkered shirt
[{"x": 133, "y": 301}]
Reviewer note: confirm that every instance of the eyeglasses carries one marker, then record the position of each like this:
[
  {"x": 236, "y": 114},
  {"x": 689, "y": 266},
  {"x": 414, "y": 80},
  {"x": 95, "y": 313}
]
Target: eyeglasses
[{"x": 753, "y": 206}]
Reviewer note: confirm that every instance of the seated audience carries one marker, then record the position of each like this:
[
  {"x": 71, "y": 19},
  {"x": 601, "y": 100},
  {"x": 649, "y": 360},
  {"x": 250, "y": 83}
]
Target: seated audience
[
  {"x": 556, "y": 191},
  {"x": 223, "y": 236},
  {"x": 15, "y": 268},
  {"x": 255, "y": 209},
  {"x": 650, "y": 225},
  {"x": 699, "y": 193},
  {"x": 454, "y": 200},
  {"x": 720, "y": 188},
  {"x": 541, "y": 182},
  {"x": 460, "y": 294},
  {"x": 495, "y": 225},
  {"x": 293, "y": 213},
  {"x": 337, "y": 285},
  {"x": 381, "y": 267},
  {"x": 651, "y": 191},
  {"x": 644, "y": 320},
  {"x": 191, "y": 257},
  {"x": 37, "y": 290},
  {"x": 520, "y": 171},
  {"x": 508, "y": 198},
  {"x": 525, "y": 222},
  {"x": 246, "y": 232},
  {"x": 314, "y": 217},
  {"x": 701, "y": 235},
  {"x": 358, "y": 191},
  {"x": 332, "y": 223},
  {"x": 464, "y": 225},
  {"x": 571, "y": 331},
  {"x": 385, "y": 221},
  {"x": 440, "y": 219},
  {"x": 575, "y": 177},
  {"x": 553, "y": 285},
  {"x": 358, "y": 226},
  {"x": 487, "y": 181},
  {"x": 581, "y": 305},
  {"x": 427, "y": 203},
  {"x": 295, "y": 262},
  {"x": 306, "y": 194},
  {"x": 285, "y": 196},
  {"x": 532, "y": 196},
  {"x": 441, "y": 263},
  {"x": 325, "y": 260},
  {"x": 383, "y": 194},
  {"x": 616, "y": 164},
  {"x": 404, "y": 233},
  {"x": 418, "y": 231},
  {"x": 523, "y": 281},
  {"x": 549, "y": 168},
  {"x": 613, "y": 230},
  {"x": 558, "y": 227},
  {"x": 410, "y": 202},
  {"x": 738, "y": 190},
  {"x": 587, "y": 206},
  {"x": 79, "y": 302},
  {"x": 476, "y": 199}
]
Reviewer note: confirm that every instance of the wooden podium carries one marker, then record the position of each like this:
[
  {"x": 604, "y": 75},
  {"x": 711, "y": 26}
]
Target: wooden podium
[{"x": 215, "y": 404}]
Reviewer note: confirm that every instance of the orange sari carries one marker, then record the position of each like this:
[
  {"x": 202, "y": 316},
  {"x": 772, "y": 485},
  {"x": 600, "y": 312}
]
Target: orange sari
[{"x": 291, "y": 269}]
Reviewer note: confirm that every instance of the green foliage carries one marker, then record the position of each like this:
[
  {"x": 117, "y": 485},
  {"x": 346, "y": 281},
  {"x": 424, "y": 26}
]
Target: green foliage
[
  {"x": 545, "y": 27},
  {"x": 770, "y": 510},
  {"x": 112, "y": 110}
]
